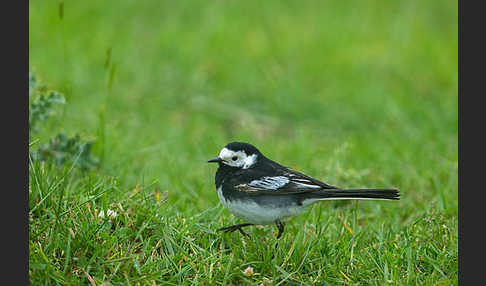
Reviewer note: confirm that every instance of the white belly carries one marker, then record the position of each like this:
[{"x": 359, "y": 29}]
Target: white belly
[{"x": 254, "y": 213}]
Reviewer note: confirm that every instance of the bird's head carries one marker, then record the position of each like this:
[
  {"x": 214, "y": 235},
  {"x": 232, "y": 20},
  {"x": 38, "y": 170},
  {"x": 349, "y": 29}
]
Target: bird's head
[{"x": 238, "y": 155}]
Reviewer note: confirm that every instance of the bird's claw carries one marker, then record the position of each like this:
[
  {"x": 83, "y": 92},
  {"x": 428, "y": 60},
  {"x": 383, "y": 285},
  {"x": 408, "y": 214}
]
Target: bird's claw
[{"x": 234, "y": 228}]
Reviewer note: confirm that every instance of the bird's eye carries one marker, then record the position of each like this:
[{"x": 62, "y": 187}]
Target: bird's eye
[{"x": 234, "y": 158}]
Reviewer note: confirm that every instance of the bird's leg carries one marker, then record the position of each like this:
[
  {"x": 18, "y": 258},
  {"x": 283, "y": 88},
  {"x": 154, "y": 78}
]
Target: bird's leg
[
  {"x": 235, "y": 227},
  {"x": 280, "y": 226}
]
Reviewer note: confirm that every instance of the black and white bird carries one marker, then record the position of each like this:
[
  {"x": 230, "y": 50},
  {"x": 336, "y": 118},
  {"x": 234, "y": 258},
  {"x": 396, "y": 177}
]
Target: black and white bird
[{"x": 261, "y": 191}]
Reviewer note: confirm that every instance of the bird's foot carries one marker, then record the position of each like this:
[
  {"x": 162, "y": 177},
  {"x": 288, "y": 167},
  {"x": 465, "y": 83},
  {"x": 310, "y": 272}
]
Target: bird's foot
[{"x": 236, "y": 227}]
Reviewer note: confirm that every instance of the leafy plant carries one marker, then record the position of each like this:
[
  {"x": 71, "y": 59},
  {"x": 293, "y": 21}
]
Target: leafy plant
[
  {"x": 61, "y": 149},
  {"x": 67, "y": 150},
  {"x": 41, "y": 103}
]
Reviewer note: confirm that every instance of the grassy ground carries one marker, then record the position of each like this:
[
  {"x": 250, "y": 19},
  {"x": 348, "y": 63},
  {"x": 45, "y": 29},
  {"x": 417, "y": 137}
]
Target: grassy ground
[{"x": 356, "y": 93}]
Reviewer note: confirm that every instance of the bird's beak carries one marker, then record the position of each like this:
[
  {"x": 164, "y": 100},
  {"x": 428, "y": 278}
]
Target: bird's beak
[{"x": 215, "y": 160}]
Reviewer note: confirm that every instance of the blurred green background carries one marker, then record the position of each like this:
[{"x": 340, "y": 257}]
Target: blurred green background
[
  {"x": 297, "y": 79},
  {"x": 356, "y": 93}
]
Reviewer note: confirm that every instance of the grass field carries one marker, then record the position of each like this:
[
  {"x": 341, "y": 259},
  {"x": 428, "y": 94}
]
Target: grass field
[{"x": 356, "y": 93}]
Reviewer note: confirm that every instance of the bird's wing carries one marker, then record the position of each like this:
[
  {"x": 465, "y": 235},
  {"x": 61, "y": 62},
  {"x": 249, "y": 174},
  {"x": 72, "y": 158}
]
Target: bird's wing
[
  {"x": 289, "y": 182},
  {"x": 304, "y": 179}
]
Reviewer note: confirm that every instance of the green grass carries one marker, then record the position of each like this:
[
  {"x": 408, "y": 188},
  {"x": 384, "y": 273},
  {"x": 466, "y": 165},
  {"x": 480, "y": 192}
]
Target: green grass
[{"x": 357, "y": 93}]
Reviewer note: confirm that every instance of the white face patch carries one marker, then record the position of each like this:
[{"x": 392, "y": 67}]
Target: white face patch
[
  {"x": 237, "y": 159},
  {"x": 250, "y": 160}
]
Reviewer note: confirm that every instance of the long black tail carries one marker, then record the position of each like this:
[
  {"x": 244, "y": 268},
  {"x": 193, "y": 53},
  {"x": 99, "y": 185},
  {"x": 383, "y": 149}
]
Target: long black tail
[{"x": 339, "y": 194}]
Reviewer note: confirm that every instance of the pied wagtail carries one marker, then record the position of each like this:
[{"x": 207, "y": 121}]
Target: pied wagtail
[{"x": 262, "y": 192}]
